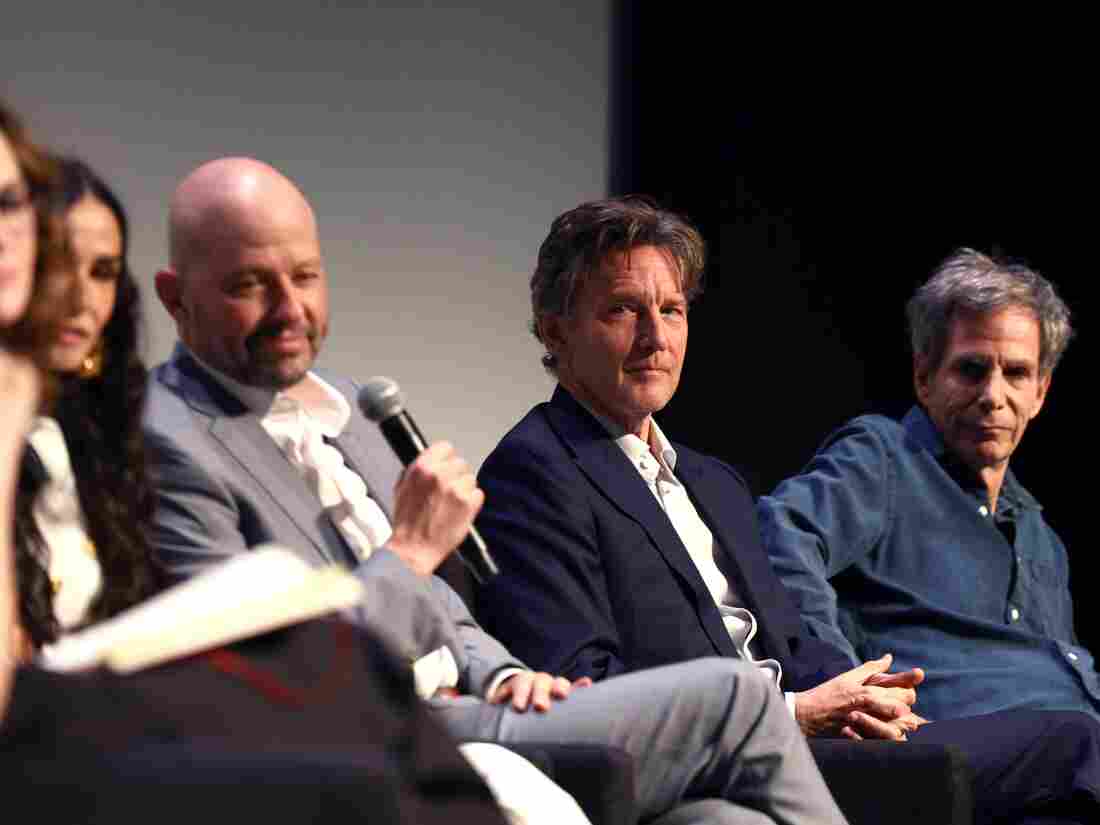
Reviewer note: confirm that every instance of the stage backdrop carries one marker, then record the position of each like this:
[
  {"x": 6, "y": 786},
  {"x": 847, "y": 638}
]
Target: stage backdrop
[{"x": 436, "y": 140}]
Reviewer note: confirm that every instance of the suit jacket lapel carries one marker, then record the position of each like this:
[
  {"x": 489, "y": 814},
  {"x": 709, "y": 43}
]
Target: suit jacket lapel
[
  {"x": 239, "y": 431},
  {"x": 735, "y": 556},
  {"x": 601, "y": 460},
  {"x": 708, "y": 502}
]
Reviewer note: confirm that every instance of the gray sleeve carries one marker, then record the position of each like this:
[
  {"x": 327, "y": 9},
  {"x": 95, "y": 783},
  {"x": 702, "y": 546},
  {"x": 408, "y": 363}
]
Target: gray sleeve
[{"x": 481, "y": 656}]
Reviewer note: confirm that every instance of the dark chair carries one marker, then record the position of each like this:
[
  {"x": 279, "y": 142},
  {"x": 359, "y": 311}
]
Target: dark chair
[
  {"x": 898, "y": 782},
  {"x": 872, "y": 782},
  {"x": 321, "y": 698},
  {"x": 315, "y": 723}
]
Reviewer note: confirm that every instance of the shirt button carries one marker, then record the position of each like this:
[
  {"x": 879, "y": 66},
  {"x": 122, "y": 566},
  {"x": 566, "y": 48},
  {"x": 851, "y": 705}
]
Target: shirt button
[
  {"x": 983, "y": 511},
  {"x": 1071, "y": 656},
  {"x": 1014, "y": 614}
]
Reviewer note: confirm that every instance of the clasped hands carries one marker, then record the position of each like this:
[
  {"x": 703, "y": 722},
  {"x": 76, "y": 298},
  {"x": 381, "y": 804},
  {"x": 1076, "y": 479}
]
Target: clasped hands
[{"x": 863, "y": 703}]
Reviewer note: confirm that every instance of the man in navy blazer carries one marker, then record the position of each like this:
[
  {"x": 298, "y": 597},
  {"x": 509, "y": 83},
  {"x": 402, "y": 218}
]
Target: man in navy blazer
[
  {"x": 249, "y": 444},
  {"x": 620, "y": 550},
  {"x": 557, "y": 489}
]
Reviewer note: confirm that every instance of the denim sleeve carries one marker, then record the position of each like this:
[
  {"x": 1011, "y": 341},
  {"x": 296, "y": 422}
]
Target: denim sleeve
[{"x": 816, "y": 524}]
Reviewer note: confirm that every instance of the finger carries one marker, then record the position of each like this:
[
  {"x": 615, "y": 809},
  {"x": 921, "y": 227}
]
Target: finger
[
  {"x": 476, "y": 500},
  {"x": 521, "y": 691},
  {"x": 906, "y": 696},
  {"x": 560, "y": 687},
  {"x": 908, "y": 723},
  {"x": 437, "y": 451},
  {"x": 908, "y": 678},
  {"x": 502, "y": 693},
  {"x": 872, "y": 728},
  {"x": 540, "y": 691},
  {"x": 881, "y": 706},
  {"x": 870, "y": 668},
  {"x": 848, "y": 733},
  {"x": 583, "y": 682}
]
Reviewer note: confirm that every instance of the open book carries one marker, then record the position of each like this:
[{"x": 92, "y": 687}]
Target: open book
[{"x": 253, "y": 593}]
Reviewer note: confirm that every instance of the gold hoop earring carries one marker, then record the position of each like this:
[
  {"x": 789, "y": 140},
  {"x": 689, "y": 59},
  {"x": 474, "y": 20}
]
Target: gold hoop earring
[{"x": 92, "y": 365}]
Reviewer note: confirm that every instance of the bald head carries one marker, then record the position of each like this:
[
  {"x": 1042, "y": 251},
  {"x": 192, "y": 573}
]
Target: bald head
[
  {"x": 226, "y": 199},
  {"x": 247, "y": 285}
]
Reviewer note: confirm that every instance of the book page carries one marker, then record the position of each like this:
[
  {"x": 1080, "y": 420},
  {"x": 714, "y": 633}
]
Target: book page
[{"x": 249, "y": 594}]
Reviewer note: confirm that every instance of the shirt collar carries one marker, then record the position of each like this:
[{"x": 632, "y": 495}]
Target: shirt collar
[
  {"x": 331, "y": 410},
  {"x": 920, "y": 427},
  {"x": 633, "y": 447}
]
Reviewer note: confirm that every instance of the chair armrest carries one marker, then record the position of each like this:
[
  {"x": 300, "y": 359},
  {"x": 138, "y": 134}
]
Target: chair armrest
[{"x": 899, "y": 782}]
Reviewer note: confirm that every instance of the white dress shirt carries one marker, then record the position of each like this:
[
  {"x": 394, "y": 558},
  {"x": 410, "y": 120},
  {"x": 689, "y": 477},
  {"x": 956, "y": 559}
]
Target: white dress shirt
[
  {"x": 656, "y": 463},
  {"x": 300, "y": 429},
  {"x": 73, "y": 569}
]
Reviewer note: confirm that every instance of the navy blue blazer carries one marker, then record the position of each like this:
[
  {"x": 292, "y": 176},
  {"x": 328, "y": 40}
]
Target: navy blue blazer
[{"x": 594, "y": 578}]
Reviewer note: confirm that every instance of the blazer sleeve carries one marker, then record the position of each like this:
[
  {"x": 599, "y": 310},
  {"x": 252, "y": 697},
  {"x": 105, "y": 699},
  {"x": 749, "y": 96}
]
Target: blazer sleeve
[
  {"x": 202, "y": 519},
  {"x": 479, "y": 656},
  {"x": 551, "y": 602}
]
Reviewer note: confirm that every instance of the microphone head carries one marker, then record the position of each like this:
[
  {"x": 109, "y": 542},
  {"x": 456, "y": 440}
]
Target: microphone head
[{"x": 381, "y": 398}]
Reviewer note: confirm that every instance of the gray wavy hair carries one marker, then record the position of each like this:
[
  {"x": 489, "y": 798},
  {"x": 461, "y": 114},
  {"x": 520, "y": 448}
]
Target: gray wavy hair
[
  {"x": 969, "y": 281},
  {"x": 581, "y": 239}
]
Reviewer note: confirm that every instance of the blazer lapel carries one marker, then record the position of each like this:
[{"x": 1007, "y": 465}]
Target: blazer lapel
[
  {"x": 734, "y": 554},
  {"x": 242, "y": 436},
  {"x": 601, "y": 460}
]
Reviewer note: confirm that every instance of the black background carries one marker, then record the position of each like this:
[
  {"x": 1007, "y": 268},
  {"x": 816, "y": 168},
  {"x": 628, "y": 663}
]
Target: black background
[{"x": 827, "y": 193}]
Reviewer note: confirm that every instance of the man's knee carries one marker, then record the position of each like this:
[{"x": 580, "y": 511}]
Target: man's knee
[
  {"x": 1074, "y": 730},
  {"x": 715, "y": 676}
]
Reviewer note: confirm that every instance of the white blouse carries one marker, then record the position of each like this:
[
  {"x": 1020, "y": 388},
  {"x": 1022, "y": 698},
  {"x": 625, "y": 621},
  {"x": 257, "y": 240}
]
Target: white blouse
[{"x": 73, "y": 568}]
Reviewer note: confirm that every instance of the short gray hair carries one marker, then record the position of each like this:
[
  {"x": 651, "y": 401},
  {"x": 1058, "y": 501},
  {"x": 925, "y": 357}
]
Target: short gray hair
[
  {"x": 968, "y": 281},
  {"x": 581, "y": 239}
]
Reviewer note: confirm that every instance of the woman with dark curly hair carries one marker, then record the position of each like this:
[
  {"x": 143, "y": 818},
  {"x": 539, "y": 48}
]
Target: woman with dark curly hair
[{"x": 84, "y": 501}]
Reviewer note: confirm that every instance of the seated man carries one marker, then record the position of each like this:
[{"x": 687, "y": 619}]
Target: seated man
[
  {"x": 916, "y": 537},
  {"x": 249, "y": 445},
  {"x": 619, "y": 550},
  {"x": 92, "y": 748}
]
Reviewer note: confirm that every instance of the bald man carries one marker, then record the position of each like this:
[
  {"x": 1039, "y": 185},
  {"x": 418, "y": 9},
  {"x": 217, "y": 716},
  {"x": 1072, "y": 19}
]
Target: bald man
[{"x": 250, "y": 445}]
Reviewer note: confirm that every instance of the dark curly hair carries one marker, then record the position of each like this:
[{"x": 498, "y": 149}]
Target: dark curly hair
[{"x": 100, "y": 418}]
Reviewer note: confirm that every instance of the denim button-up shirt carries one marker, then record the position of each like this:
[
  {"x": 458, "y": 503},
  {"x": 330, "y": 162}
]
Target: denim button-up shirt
[{"x": 886, "y": 547}]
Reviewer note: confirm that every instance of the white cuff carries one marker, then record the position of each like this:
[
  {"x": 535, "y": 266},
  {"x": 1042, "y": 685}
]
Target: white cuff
[{"x": 790, "y": 697}]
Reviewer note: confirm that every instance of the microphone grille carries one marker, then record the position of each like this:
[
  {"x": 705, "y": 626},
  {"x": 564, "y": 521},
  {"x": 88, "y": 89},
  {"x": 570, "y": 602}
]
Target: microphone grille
[{"x": 381, "y": 398}]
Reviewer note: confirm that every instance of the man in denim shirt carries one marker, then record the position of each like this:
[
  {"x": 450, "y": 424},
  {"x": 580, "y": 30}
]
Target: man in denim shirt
[{"x": 915, "y": 537}]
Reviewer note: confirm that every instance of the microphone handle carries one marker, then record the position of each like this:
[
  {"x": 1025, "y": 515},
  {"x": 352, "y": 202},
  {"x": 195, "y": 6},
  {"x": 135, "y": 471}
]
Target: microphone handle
[
  {"x": 408, "y": 442},
  {"x": 404, "y": 436}
]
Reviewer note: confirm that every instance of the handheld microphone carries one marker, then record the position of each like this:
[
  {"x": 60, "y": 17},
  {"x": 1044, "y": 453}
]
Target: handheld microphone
[{"x": 382, "y": 402}]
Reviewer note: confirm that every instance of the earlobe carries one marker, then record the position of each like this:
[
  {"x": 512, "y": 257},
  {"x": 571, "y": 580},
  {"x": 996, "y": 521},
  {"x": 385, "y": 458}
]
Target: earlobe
[
  {"x": 920, "y": 377},
  {"x": 549, "y": 327},
  {"x": 1044, "y": 388},
  {"x": 167, "y": 286}
]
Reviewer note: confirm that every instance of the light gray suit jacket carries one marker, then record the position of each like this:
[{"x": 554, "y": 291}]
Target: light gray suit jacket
[{"x": 223, "y": 487}]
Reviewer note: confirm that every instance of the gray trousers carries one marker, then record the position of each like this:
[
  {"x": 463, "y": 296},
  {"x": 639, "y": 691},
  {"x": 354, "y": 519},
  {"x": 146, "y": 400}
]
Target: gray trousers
[{"x": 710, "y": 729}]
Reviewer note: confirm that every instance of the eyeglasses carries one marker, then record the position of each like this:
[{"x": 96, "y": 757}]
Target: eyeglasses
[{"x": 15, "y": 202}]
